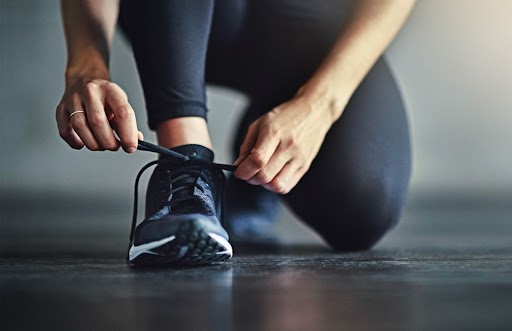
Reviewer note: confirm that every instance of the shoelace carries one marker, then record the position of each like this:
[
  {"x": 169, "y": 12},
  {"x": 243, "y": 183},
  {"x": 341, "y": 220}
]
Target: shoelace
[
  {"x": 175, "y": 158},
  {"x": 181, "y": 189}
]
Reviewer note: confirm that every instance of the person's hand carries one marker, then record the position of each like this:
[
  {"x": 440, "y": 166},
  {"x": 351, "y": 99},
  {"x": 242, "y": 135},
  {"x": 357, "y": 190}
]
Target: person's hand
[
  {"x": 100, "y": 107},
  {"x": 280, "y": 146}
]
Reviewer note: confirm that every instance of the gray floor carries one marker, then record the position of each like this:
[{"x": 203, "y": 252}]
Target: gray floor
[{"x": 448, "y": 265}]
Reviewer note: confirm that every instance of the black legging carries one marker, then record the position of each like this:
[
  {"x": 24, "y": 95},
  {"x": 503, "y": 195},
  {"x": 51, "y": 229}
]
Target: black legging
[{"x": 355, "y": 189}]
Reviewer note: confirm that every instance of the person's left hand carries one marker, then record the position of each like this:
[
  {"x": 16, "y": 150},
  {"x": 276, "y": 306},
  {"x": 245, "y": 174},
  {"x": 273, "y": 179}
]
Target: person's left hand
[{"x": 280, "y": 146}]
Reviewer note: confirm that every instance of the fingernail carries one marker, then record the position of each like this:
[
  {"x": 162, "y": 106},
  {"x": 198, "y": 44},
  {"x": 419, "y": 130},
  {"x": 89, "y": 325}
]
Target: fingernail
[
  {"x": 253, "y": 182},
  {"x": 131, "y": 149},
  {"x": 240, "y": 159}
]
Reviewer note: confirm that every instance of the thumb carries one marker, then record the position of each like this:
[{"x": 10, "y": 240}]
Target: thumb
[
  {"x": 250, "y": 140},
  {"x": 113, "y": 125}
]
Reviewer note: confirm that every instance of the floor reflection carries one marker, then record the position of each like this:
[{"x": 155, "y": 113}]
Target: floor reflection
[
  {"x": 319, "y": 295},
  {"x": 285, "y": 291},
  {"x": 195, "y": 298}
]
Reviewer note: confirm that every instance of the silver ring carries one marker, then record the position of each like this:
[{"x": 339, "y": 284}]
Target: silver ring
[{"x": 76, "y": 112}]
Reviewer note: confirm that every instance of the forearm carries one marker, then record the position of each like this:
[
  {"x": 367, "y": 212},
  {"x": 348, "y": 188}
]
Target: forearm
[
  {"x": 89, "y": 27},
  {"x": 369, "y": 30}
]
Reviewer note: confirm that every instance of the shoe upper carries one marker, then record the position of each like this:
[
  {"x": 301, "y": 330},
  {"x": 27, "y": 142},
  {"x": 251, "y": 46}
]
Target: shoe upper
[
  {"x": 250, "y": 214},
  {"x": 178, "y": 191}
]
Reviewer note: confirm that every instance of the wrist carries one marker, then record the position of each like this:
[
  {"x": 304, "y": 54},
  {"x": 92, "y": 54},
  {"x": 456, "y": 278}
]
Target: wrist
[
  {"x": 324, "y": 99},
  {"x": 87, "y": 69}
]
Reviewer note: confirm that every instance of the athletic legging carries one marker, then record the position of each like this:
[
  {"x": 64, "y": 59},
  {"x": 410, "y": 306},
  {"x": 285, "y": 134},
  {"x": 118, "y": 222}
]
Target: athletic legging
[{"x": 355, "y": 188}]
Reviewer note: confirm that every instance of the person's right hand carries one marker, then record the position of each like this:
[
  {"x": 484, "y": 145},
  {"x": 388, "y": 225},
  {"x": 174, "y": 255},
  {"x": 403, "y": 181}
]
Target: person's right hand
[{"x": 105, "y": 110}]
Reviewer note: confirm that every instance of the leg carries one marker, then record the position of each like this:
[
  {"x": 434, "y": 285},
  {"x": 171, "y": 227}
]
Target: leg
[
  {"x": 169, "y": 40},
  {"x": 356, "y": 187},
  {"x": 273, "y": 55},
  {"x": 183, "y": 200},
  {"x": 360, "y": 176}
]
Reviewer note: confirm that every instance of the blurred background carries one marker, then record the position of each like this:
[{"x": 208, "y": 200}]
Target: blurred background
[{"x": 452, "y": 61}]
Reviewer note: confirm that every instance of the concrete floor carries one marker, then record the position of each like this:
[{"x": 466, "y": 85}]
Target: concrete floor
[{"x": 446, "y": 266}]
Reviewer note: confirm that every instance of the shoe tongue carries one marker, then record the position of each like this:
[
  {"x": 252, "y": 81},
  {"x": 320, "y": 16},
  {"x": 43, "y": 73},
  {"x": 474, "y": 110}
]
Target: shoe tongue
[
  {"x": 195, "y": 151},
  {"x": 195, "y": 198}
]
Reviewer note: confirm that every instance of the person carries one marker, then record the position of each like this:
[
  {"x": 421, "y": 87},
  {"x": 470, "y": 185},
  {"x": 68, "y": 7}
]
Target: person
[{"x": 325, "y": 131}]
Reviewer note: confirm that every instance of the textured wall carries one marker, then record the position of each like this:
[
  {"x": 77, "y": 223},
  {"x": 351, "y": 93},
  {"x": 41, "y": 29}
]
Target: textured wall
[{"x": 452, "y": 61}]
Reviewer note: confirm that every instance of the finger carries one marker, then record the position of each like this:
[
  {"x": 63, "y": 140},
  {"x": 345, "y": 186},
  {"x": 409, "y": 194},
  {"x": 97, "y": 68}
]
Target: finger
[
  {"x": 140, "y": 135},
  {"x": 287, "y": 178},
  {"x": 295, "y": 179},
  {"x": 261, "y": 153},
  {"x": 97, "y": 119},
  {"x": 80, "y": 125},
  {"x": 66, "y": 130},
  {"x": 273, "y": 167},
  {"x": 249, "y": 141},
  {"x": 124, "y": 118}
]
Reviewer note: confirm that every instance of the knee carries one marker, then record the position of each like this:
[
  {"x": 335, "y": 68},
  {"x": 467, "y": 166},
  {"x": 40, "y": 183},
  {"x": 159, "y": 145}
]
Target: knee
[{"x": 365, "y": 213}]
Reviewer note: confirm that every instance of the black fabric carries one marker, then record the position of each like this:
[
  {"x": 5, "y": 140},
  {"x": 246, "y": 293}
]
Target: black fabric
[
  {"x": 356, "y": 187},
  {"x": 169, "y": 40},
  {"x": 189, "y": 186},
  {"x": 185, "y": 186}
]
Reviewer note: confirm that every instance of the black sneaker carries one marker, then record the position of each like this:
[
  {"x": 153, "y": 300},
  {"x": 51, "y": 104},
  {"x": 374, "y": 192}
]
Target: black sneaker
[
  {"x": 183, "y": 211},
  {"x": 251, "y": 215}
]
